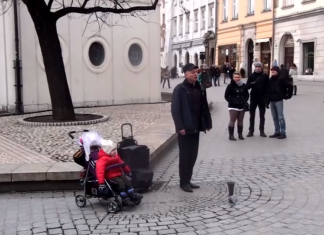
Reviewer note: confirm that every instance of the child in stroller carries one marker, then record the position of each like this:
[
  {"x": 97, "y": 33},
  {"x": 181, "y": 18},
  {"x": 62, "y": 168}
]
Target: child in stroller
[
  {"x": 104, "y": 169},
  {"x": 107, "y": 156}
]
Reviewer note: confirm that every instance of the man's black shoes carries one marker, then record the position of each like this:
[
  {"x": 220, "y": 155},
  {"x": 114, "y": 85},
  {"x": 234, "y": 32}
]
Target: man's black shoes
[
  {"x": 281, "y": 137},
  {"x": 250, "y": 134},
  {"x": 194, "y": 186},
  {"x": 275, "y": 135},
  {"x": 186, "y": 188},
  {"x": 262, "y": 134}
]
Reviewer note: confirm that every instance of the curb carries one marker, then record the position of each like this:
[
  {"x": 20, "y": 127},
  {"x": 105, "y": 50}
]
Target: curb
[{"x": 66, "y": 175}]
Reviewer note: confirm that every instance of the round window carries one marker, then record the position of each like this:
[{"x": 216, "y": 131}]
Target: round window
[
  {"x": 96, "y": 54},
  {"x": 135, "y": 55}
]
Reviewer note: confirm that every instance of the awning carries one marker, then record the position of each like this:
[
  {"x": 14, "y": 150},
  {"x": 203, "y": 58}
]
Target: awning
[{"x": 262, "y": 40}]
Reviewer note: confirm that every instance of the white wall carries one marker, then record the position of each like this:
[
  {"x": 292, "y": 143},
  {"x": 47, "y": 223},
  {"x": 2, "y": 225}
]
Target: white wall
[{"x": 115, "y": 82}]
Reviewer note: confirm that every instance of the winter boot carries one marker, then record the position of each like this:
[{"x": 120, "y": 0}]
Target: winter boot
[
  {"x": 134, "y": 196},
  {"x": 262, "y": 134},
  {"x": 240, "y": 132},
  {"x": 126, "y": 200},
  {"x": 275, "y": 135},
  {"x": 250, "y": 134},
  {"x": 231, "y": 133}
]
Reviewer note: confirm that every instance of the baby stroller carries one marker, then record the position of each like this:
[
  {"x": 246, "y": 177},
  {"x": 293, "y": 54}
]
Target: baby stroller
[{"x": 89, "y": 181}]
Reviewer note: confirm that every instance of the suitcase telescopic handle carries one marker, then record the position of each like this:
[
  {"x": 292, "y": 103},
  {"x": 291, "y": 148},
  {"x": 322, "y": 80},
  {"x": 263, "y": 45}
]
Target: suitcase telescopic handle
[
  {"x": 71, "y": 133},
  {"x": 130, "y": 127}
]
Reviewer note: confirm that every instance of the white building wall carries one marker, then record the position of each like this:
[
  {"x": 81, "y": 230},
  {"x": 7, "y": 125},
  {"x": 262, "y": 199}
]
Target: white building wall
[
  {"x": 305, "y": 22},
  {"x": 114, "y": 82}
]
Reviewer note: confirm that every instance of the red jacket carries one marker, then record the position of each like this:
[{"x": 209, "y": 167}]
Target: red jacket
[{"x": 104, "y": 161}]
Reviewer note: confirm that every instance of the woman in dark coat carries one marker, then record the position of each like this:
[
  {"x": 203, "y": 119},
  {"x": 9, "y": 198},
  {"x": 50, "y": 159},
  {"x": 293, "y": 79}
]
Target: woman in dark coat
[{"x": 236, "y": 95}]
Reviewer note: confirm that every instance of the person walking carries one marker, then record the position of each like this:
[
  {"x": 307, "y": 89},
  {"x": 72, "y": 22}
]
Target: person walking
[
  {"x": 226, "y": 71},
  {"x": 190, "y": 113},
  {"x": 258, "y": 82},
  {"x": 292, "y": 75},
  {"x": 279, "y": 89},
  {"x": 237, "y": 96},
  {"x": 212, "y": 70},
  {"x": 166, "y": 76},
  {"x": 218, "y": 73}
]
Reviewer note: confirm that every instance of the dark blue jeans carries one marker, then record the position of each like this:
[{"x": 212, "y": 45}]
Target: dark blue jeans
[{"x": 278, "y": 117}]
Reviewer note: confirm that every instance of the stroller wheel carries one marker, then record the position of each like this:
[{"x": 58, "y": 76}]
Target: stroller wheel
[
  {"x": 112, "y": 207},
  {"x": 81, "y": 201}
]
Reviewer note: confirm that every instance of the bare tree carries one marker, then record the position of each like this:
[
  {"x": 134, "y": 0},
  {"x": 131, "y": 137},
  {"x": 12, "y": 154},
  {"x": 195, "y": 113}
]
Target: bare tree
[{"x": 45, "y": 14}]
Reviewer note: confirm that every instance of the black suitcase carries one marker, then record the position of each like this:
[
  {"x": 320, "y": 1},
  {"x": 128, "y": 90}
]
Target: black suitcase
[
  {"x": 142, "y": 179},
  {"x": 136, "y": 156},
  {"x": 126, "y": 140}
]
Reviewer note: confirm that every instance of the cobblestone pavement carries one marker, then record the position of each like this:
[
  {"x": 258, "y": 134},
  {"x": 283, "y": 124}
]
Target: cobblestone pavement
[
  {"x": 54, "y": 141},
  {"x": 279, "y": 184}
]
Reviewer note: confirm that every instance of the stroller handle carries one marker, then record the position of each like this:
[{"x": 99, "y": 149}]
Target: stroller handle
[
  {"x": 71, "y": 133},
  {"x": 115, "y": 166}
]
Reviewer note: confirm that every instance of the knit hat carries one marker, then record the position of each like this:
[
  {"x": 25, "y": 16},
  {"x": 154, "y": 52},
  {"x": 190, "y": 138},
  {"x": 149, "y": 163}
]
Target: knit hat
[
  {"x": 275, "y": 68},
  {"x": 258, "y": 64}
]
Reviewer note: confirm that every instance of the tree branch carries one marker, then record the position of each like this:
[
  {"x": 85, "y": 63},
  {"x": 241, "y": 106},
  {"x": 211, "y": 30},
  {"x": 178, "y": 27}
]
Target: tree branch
[
  {"x": 50, "y": 2},
  {"x": 84, "y": 3},
  {"x": 85, "y": 11}
]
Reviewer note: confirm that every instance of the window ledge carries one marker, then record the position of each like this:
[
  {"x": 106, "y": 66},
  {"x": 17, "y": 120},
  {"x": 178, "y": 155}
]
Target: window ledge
[
  {"x": 249, "y": 14},
  {"x": 265, "y": 10},
  {"x": 224, "y": 21},
  {"x": 211, "y": 26},
  {"x": 196, "y": 31},
  {"x": 287, "y": 7},
  {"x": 308, "y": 1},
  {"x": 234, "y": 18}
]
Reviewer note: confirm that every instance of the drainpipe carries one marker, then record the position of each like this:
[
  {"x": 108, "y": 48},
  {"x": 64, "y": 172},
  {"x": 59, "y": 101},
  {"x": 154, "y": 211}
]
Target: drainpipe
[
  {"x": 273, "y": 34},
  {"x": 17, "y": 63},
  {"x": 216, "y": 30}
]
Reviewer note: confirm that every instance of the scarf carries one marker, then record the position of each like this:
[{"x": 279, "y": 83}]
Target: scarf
[{"x": 240, "y": 83}]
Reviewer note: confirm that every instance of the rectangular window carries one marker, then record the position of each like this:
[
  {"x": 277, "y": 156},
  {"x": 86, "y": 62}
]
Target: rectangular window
[
  {"x": 196, "y": 20},
  {"x": 211, "y": 18},
  {"x": 203, "y": 17},
  {"x": 188, "y": 22},
  {"x": 235, "y": 9},
  {"x": 181, "y": 25},
  {"x": 287, "y": 3},
  {"x": 251, "y": 7},
  {"x": 267, "y": 4},
  {"x": 175, "y": 27},
  {"x": 308, "y": 58},
  {"x": 225, "y": 10}
]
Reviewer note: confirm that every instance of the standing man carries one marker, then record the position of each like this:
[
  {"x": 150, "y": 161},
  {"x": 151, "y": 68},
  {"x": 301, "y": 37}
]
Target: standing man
[
  {"x": 258, "y": 83},
  {"x": 279, "y": 89},
  {"x": 190, "y": 112}
]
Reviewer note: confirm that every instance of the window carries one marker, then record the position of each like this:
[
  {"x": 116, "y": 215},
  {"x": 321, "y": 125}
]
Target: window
[
  {"x": 235, "y": 9},
  {"x": 196, "y": 20},
  {"x": 188, "y": 23},
  {"x": 163, "y": 19},
  {"x": 135, "y": 55},
  {"x": 175, "y": 27},
  {"x": 251, "y": 7},
  {"x": 287, "y": 3},
  {"x": 203, "y": 17},
  {"x": 211, "y": 15},
  {"x": 308, "y": 58},
  {"x": 267, "y": 4},
  {"x": 96, "y": 54},
  {"x": 225, "y": 10},
  {"x": 180, "y": 25}
]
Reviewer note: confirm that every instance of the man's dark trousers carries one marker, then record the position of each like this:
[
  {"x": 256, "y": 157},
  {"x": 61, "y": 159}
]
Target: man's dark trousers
[
  {"x": 254, "y": 103},
  {"x": 188, "y": 152}
]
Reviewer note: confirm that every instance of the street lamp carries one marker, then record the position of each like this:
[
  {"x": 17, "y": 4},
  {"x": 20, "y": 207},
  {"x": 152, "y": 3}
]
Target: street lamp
[{"x": 206, "y": 43}]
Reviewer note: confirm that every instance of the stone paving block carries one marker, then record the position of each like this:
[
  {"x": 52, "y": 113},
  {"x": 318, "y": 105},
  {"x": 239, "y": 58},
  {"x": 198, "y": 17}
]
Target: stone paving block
[
  {"x": 6, "y": 171},
  {"x": 31, "y": 172},
  {"x": 64, "y": 171}
]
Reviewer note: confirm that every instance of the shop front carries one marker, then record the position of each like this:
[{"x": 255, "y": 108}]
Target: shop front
[{"x": 227, "y": 53}]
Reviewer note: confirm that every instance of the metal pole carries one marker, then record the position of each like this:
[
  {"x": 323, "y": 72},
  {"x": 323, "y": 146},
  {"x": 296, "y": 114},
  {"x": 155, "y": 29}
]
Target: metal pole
[{"x": 17, "y": 65}]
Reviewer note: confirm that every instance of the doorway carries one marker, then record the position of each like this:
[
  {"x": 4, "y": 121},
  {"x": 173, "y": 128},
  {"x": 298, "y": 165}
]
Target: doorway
[{"x": 212, "y": 56}]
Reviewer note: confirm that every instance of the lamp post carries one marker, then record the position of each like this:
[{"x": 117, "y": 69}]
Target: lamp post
[{"x": 206, "y": 45}]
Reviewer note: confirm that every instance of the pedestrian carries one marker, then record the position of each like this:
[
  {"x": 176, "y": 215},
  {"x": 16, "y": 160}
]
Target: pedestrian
[
  {"x": 225, "y": 71},
  {"x": 237, "y": 96},
  {"x": 258, "y": 82},
  {"x": 292, "y": 75},
  {"x": 204, "y": 77},
  {"x": 190, "y": 113},
  {"x": 218, "y": 73},
  {"x": 284, "y": 72},
  {"x": 231, "y": 71},
  {"x": 213, "y": 71},
  {"x": 279, "y": 89},
  {"x": 166, "y": 76}
]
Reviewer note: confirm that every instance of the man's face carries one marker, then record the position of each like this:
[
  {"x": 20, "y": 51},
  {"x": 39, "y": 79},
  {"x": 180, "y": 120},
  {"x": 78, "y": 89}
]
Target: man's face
[
  {"x": 258, "y": 69},
  {"x": 274, "y": 73},
  {"x": 192, "y": 75}
]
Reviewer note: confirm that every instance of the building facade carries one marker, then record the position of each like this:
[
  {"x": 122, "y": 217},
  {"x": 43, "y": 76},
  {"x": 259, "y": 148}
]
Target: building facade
[
  {"x": 299, "y": 37},
  {"x": 244, "y": 33},
  {"x": 120, "y": 65},
  {"x": 191, "y": 32},
  {"x": 163, "y": 31}
]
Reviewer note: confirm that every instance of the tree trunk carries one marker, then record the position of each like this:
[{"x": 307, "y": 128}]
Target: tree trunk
[{"x": 45, "y": 25}]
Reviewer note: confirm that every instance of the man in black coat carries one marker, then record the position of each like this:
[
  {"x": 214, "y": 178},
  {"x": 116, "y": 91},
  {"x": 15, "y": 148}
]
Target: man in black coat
[
  {"x": 258, "y": 83},
  {"x": 190, "y": 112}
]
